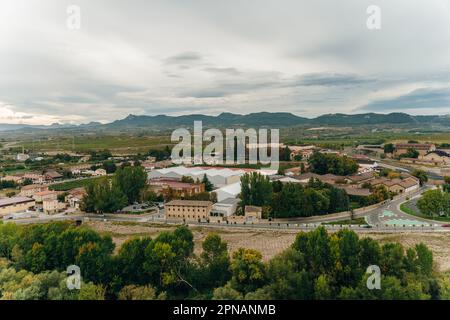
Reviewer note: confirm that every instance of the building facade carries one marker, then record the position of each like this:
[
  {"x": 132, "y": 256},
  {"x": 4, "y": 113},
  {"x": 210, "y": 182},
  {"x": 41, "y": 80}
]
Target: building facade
[
  {"x": 188, "y": 210},
  {"x": 15, "y": 205}
]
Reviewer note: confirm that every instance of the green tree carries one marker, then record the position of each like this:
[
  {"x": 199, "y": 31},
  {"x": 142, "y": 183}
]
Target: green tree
[
  {"x": 90, "y": 291},
  {"x": 208, "y": 185},
  {"x": 132, "y": 292},
  {"x": 102, "y": 196},
  {"x": 434, "y": 203},
  {"x": 321, "y": 163},
  {"x": 130, "y": 261},
  {"x": 109, "y": 166},
  {"x": 248, "y": 270},
  {"x": 214, "y": 261},
  {"x": 389, "y": 148},
  {"x": 421, "y": 175},
  {"x": 322, "y": 288},
  {"x": 131, "y": 181},
  {"x": 227, "y": 293},
  {"x": 256, "y": 189},
  {"x": 410, "y": 153}
]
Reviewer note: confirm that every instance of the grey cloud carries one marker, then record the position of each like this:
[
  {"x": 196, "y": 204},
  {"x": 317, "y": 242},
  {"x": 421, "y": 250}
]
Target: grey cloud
[
  {"x": 184, "y": 58},
  {"x": 424, "y": 98},
  {"x": 331, "y": 79},
  {"x": 225, "y": 71}
]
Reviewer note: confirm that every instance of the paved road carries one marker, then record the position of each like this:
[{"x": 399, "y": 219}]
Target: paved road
[
  {"x": 390, "y": 213},
  {"x": 378, "y": 219}
]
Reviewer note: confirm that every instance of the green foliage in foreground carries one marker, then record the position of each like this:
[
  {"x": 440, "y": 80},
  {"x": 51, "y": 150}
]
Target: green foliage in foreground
[{"x": 318, "y": 265}]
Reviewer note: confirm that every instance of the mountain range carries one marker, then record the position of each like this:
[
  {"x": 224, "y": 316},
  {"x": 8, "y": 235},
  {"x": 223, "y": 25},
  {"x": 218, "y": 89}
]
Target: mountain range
[{"x": 267, "y": 119}]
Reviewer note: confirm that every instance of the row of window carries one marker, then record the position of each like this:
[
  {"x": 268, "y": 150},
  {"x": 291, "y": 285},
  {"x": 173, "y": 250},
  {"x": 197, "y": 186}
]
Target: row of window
[
  {"x": 188, "y": 216},
  {"x": 193, "y": 210}
]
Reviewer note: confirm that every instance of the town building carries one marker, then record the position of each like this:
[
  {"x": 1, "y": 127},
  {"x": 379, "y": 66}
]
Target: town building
[
  {"x": 15, "y": 205},
  {"x": 217, "y": 176},
  {"x": 293, "y": 171},
  {"x": 188, "y": 210},
  {"x": 397, "y": 185},
  {"x": 74, "y": 197},
  {"x": 253, "y": 213},
  {"x": 39, "y": 197},
  {"x": 52, "y": 206},
  {"x": 303, "y": 151},
  {"x": 78, "y": 169},
  {"x": 360, "y": 179},
  {"x": 18, "y": 179},
  {"x": 225, "y": 208},
  {"x": 422, "y": 148},
  {"x": 21, "y": 157},
  {"x": 31, "y": 189},
  {"x": 437, "y": 157},
  {"x": 100, "y": 172},
  {"x": 52, "y": 175},
  {"x": 229, "y": 191},
  {"x": 178, "y": 188},
  {"x": 35, "y": 178}
]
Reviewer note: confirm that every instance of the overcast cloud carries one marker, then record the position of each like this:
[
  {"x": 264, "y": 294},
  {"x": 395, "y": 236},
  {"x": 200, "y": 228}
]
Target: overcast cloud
[{"x": 181, "y": 57}]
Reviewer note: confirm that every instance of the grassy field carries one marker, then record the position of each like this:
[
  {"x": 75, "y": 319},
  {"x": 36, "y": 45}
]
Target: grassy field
[
  {"x": 65, "y": 186},
  {"x": 353, "y": 136},
  {"x": 119, "y": 144},
  {"x": 141, "y": 143}
]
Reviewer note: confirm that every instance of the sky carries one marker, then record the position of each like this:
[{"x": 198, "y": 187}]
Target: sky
[{"x": 208, "y": 56}]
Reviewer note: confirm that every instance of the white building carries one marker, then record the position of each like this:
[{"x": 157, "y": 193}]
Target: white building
[
  {"x": 225, "y": 208},
  {"x": 219, "y": 177},
  {"x": 230, "y": 191},
  {"x": 22, "y": 157}
]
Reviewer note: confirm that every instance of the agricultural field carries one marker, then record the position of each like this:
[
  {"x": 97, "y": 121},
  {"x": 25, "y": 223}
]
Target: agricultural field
[
  {"x": 118, "y": 144},
  {"x": 72, "y": 184},
  {"x": 346, "y": 137}
]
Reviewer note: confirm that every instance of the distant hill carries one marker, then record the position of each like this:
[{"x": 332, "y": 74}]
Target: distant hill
[
  {"x": 280, "y": 119},
  {"x": 259, "y": 119},
  {"x": 224, "y": 119}
]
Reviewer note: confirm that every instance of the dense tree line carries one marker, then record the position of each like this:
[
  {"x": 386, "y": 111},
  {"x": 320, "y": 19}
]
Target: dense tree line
[
  {"x": 410, "y": 153},
  {"x": 160, "y": 154},
  {"x": 296, "y": 200},
  {"x": 100, "y": 155},
  {"x": 317, "y": 265},
  {"x": 315, "y": 198},
  {"x": 446, "y": 186},
  {"x": 323, "y": 163},
  {"x": 110, "y": 195}
]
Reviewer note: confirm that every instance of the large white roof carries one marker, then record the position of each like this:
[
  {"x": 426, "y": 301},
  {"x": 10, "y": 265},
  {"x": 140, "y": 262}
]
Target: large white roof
[
  {"x": 234, "y": 188},
  {"x": 197, "y": 171}
]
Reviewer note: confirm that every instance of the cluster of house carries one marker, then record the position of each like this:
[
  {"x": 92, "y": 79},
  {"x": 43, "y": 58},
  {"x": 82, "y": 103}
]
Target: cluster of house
[
  {"x": 428, "y": 154},
  {"x": 38, "y": 197},
  {"x": 360, "y": 184},
  {"x": 35, "y": 178},
  {"x": 85, "y": 170}
]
